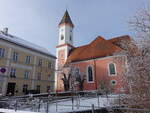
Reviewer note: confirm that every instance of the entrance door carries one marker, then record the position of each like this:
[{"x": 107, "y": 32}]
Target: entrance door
[{"x": 11, "y": 88}]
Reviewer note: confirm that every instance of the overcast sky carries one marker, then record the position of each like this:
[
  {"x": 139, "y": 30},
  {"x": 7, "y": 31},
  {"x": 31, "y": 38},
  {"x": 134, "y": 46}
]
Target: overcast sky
[{"x": 37, "y": 20}]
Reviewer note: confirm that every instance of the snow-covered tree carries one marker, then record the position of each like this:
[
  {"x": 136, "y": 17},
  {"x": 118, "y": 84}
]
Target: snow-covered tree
[
  {"x": 105, "y": 87},
  {"x": 137, "y": 74}
]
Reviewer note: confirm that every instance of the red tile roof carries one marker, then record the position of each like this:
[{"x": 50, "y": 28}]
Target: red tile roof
[{"x": 96, "y": 49}]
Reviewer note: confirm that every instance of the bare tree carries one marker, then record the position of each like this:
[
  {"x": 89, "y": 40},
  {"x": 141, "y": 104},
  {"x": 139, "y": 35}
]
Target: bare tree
[
  {"x": 72, "y": 78},
  {"x": 66, "y": 81},
  {"x": 137, "y": 74},
  {"x": 67, "y": 73},
  {"x": 80, "y": 78}
]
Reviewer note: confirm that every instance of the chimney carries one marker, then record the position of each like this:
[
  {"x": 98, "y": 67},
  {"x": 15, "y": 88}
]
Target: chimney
[{"x": 5, "y": 30}]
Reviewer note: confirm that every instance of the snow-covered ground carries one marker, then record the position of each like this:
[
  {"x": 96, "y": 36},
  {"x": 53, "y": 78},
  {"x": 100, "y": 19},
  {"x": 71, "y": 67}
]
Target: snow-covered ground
[
  {"x": 13, "y": 111},
  {"x": 83, "y": 104},
  {"x": 66, "y": 105}
]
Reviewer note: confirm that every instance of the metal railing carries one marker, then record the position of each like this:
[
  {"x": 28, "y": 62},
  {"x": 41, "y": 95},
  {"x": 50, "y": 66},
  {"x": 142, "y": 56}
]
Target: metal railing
[{"x": 72, "y": 103}]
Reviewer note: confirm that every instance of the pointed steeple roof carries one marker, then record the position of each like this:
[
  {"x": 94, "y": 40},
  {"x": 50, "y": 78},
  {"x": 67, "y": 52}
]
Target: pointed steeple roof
[{"x": 66, "y": 19}]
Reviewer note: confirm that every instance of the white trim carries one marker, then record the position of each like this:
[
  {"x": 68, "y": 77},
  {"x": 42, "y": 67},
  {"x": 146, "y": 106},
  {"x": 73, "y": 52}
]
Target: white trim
[
  {"x": 109, "y": 69},
  {"x": 21, "y": 66},
  {"x": 92, "y": 73}
]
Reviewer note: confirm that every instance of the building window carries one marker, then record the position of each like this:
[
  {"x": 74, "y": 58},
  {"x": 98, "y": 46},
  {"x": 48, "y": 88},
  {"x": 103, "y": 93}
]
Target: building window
[
  {"x": 90, "y": 74},
  {"x": 113, "y": 82},
  {"x": 15, "y": 56},
  {"x": 48, "y": 89},
  {"x": 39, "y": 76},
  {"x": 25, "y": 88},
  {"x": 28, "y": 58},
  {"x": 26, "y": 74},
  {"x": 62, "y": 37},
  {"x": 38, "y": 88},
  {"x": 112, "y": 69},
  {"x": 13, "y": 72},
  {"x": 77, "y": 74},
  {"x": 49, "y": 77},
  {"x": 2, "y": 52},
  {"x": 40, "y": 62},
  {"x": 49, "y": 65},
  {"x": 70, "y": 38}
]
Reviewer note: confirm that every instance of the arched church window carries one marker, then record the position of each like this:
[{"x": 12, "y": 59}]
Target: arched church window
[
  {"x": 62, "y": 37},
  {"x": 112, "y": 69},
  {"x": 77, "y": 74},
  {"x": 90, "y": 74}
]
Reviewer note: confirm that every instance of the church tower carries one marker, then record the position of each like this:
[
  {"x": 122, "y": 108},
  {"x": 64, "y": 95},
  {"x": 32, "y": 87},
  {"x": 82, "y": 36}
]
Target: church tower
[
  {"x": 65, "y": 43},
  {"x": 66, "y": 30}
]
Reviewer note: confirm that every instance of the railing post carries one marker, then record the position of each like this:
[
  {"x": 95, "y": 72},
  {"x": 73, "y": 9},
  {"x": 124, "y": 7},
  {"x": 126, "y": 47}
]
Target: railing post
[
  {"x": 78, "y": 101},
  {"x": 47, "y": 108},
  {"x": 98, "y": 99},
  {"x": 92, "y": 108},
  {"x": 56, "y": 102},
  {"x": 72, "y": 103},
  {"x": 16, "y": 105},
  {"x": 39, "y": 105},
  {"x": 119, "y": 100}
]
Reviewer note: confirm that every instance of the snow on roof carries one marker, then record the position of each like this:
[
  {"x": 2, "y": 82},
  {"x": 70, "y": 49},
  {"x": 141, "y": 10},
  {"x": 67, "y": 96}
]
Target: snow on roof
[{"x": 25, "y": 43}]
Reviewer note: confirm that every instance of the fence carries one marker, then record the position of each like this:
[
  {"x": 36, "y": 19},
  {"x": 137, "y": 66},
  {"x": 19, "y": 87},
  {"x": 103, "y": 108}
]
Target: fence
[
  {"x": 54, "y": 103},
  {"x": 74, "y": 103}
]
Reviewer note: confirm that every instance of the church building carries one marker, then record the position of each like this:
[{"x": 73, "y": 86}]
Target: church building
[{"x": 96, "y": 61}]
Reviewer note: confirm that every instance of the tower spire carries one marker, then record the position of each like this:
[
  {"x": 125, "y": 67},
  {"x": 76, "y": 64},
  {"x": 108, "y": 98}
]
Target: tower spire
[{"x": 66, "y": 19}]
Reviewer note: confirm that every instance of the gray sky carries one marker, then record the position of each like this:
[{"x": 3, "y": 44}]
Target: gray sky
[{"x": 37, "y": 20}]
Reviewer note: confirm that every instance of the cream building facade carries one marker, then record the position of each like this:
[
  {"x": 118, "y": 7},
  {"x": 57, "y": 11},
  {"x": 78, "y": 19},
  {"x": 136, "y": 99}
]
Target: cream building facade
[{"x": 24, "y": 66}]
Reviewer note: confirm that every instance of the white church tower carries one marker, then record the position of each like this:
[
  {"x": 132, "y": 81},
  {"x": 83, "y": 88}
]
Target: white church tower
[
  {"x": 65, "y": 44},
  {"x": 66, "y": 30}
]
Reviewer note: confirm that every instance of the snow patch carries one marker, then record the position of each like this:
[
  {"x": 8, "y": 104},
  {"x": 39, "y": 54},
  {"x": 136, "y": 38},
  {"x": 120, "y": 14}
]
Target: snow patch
[{"x": 13, "y": 111}]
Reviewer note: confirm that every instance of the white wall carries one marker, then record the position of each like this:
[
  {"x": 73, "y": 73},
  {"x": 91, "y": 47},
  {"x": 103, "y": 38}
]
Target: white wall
[{"x": 66, "y": 31}]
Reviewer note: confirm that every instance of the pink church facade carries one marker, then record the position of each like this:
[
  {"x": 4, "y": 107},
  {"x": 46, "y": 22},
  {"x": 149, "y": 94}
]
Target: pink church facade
[{"x": 101, "y": 72}]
